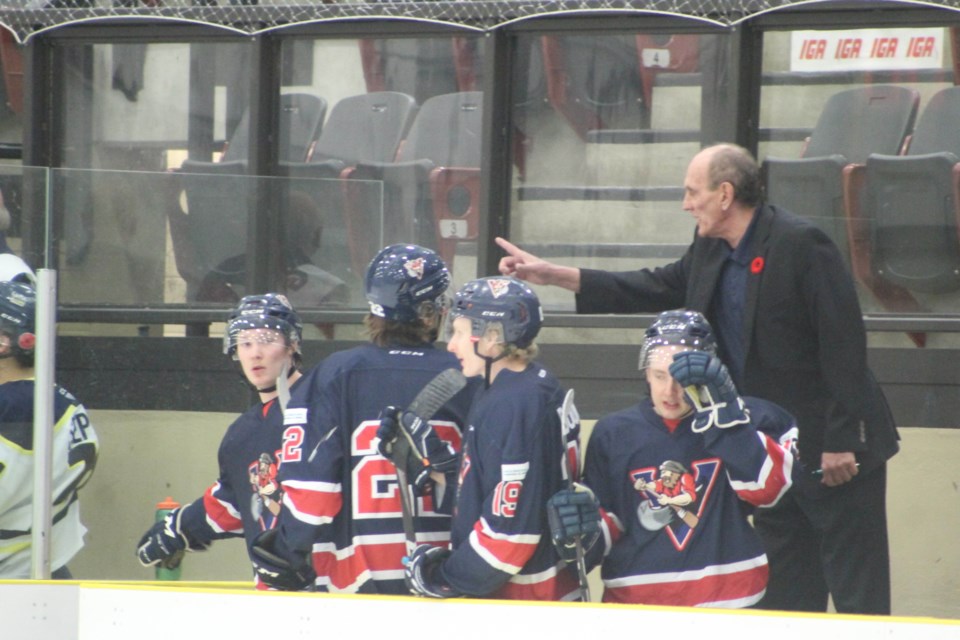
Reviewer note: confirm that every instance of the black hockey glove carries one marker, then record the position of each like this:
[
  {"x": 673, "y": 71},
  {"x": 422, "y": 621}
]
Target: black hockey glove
[
  {"x": 409, "y": 441},
  {"x": 573, "y": 514},
  {"x": 165, "y": 542},
  {"x": 279, "y": 568},
  {"x": 423, "y": 576},
  {"x": 710, "y": 389}
]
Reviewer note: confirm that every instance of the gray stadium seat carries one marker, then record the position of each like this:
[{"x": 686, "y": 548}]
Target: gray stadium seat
[
  {"x": 445, "y": 136},
  {"x": 301, "y": 122},
  {"x": 362, "y": 128},
  {"x": 907, "y": 206},
  {"x": 853, "y": 124}
]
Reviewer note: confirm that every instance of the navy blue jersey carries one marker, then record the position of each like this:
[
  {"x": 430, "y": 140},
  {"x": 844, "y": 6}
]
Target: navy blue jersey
[
  {"x": 246, "y": 498},
  {"x": 683, "y": 538},
  {"x": 511, "y": 464},
  {"x": 75, "y": 448},
  {"x": 341, "y": 496}
]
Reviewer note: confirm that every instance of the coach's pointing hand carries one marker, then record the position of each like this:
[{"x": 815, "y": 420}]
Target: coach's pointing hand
[{"x": 526, "y": 266}]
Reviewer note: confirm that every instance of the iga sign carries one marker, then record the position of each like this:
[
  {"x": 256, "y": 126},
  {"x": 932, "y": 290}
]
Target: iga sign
[{"x": 866, "y": 49}]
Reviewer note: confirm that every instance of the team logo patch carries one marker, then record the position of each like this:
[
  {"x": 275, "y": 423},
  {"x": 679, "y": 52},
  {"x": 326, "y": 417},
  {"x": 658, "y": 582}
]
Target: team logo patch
[
  {"x": 498, "y": 287},
  {"x": 414, "y": 268},
  {"x": 675, "y": 500}
]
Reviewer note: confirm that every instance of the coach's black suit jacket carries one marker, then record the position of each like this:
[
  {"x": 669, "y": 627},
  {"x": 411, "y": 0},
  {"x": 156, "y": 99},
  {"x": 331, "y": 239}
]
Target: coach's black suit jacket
[{"x": 803, "y": 330}]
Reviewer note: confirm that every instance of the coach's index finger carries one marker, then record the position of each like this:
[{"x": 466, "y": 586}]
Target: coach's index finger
[
  {"x": 509, "y": 247},
  {"x": 515, "y": 257}
]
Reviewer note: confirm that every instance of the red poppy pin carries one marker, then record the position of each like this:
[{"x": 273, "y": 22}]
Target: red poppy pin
[{"x": 757, "y": 265}]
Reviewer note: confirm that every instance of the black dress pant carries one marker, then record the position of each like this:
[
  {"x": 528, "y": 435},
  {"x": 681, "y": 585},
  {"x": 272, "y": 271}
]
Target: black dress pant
[{"x": 824, "y": 541}]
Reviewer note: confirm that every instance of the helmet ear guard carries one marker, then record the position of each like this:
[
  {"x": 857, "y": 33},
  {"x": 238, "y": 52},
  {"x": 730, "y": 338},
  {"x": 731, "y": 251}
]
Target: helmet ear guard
[{"x": 18, "y": 309}]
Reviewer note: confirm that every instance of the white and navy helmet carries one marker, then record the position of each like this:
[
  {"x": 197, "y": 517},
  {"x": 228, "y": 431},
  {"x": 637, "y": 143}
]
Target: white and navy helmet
[
  {"x": 506, "y": 301},
  {"x": 679, "y": 328},
  {"x": 267, "y": 311},
  {"x": 401, "y": 278}
]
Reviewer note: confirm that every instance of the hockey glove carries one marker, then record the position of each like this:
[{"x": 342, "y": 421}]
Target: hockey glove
[
  {"x": 408, "y": 440},
  {"x": 710, "y": 389},
  {"x": 423, "y": 576},
  {"x": 165, "y": 542},
  {"x": 279, "y": 568},
  {"x": 573, "y": 515}
]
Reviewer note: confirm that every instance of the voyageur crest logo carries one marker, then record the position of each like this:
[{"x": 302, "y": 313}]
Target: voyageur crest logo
[
  {"x": 498, "y": 287},
  {"x": 414, "y": 268},
  {"x": 656, "y": 513}
]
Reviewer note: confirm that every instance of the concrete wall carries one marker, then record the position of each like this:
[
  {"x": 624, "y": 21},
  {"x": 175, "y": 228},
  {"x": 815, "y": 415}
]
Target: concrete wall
[{"x": 147, "y": 456}]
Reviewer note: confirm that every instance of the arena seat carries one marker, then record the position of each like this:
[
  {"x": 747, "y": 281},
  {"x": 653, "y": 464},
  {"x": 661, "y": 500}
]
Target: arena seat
[
  {"x": 434, "y": 160},
  {"x": 363, "y": 128},
  {"x": 211, "y": 230},
  {"x": 853, "y": 124},
  {"x": 301, "y": 122},
  {"x": 665, "y": 53},
  {"x": 903, "y": 210},
  {"x": 595, "y": 83}
]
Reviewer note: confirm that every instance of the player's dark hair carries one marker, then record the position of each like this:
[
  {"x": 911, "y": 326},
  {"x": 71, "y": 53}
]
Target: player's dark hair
[
  {"x": 734, "y": 164},
  {"x": 383, "y": 332}
]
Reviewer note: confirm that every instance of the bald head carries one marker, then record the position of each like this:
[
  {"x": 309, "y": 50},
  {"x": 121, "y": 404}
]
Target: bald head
[{"x": 732, "y": 163}]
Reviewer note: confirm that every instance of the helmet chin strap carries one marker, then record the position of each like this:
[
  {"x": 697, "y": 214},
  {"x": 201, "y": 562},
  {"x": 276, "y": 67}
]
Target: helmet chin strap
[
  {"x": 273, "y": 387},
  {"x": 487, "y": 362}
]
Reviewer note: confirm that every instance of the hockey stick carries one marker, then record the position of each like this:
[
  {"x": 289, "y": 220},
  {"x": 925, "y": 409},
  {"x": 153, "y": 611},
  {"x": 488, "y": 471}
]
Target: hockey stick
[
  {"x": 570, "y": 420},
  {"x": 434, "y": 395}
]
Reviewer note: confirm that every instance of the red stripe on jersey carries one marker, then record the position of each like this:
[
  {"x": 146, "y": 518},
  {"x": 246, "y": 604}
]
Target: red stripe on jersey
[
  {"x": 612, "y": 526},
  {"x": 346, "y": 572},
  {"x": 506, "y": 550},
  {"x": 777, "y": 480},
  {"x": 744, "y": 587},
  {"x": 316, "y": 505},
  {"x": 560, "y": 586},
  {"x": 218, "y": 512}
]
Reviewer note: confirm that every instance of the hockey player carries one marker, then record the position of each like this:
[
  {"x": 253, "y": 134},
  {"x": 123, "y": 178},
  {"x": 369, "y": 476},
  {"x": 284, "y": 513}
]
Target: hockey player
[
  {"x": 342, "y": 503},
  {"x": 511, "y": 461},
  {"x": 75, "y": 446},
  {"x": 699, "y": 550},
  {"x": 263, "y": 335}
]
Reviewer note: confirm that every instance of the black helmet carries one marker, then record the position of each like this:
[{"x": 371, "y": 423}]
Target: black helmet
[
  {"x": 269, "y": 311},
  {"x": 680, "y": 328},
  {"x": 403, "y": 276}
]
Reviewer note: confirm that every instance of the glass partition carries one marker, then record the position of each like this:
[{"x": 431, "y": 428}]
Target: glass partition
[
  {"x": 183, "y": 236},
  {"x": 858, "y": 133},
  {"x": 604, "y": 125},
  {"x": 405, "y": 111}
]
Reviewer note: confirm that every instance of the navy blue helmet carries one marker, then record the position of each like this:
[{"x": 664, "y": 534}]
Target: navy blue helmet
[
  {"x": 678, "y": 328},
  {"x": 402, "y": 277},
  {"x": 268, "y": 311},
  {"x": 506, "y": 301}
]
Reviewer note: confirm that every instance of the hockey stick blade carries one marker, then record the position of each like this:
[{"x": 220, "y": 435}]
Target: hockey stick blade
[
  {"x": 427, "y": 402},
  {"x": 437, "y": 392}
]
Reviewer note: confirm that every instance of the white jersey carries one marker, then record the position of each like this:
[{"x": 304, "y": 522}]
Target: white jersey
[{"x": 75, "y": 449}]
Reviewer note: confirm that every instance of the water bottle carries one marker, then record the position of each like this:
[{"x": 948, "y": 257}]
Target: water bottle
[{"x": 169, "y": 569}]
